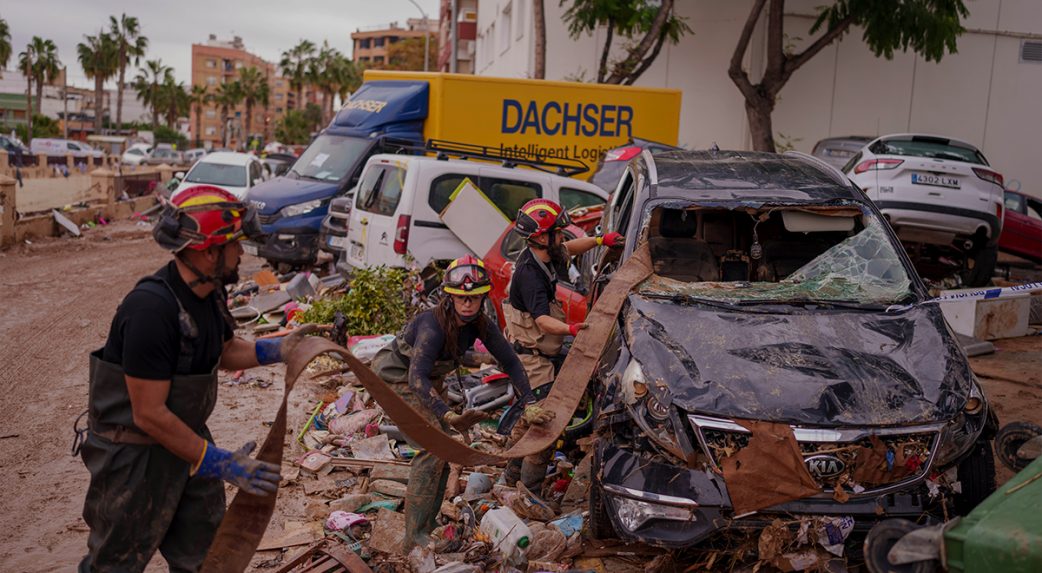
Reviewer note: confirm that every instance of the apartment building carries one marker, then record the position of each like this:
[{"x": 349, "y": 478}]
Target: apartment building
[
  {"x": 371, "y": 44},
  {"x": 465, "y": 14}
]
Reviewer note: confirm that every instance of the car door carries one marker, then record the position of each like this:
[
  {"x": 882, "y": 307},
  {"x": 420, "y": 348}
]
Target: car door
[
  {"x": 1021, "y": 233},
  {"x": 384, "y": 231},
  {"x": 602, "y": 261}
]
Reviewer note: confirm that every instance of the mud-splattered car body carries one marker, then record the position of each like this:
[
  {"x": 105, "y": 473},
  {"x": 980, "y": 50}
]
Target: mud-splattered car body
[{"x": 779, "y": 295}]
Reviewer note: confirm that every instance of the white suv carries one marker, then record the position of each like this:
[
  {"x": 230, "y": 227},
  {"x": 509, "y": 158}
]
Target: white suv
[
  {"x": 400, "y": 198},
  {"x": 940, "y": 196}
]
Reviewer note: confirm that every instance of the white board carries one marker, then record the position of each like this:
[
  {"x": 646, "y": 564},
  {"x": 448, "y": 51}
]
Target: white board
[{"x": 474, "y": 218}]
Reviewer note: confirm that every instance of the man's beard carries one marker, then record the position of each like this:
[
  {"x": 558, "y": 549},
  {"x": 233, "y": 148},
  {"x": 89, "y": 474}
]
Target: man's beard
[
  {"x": 558, "y": 256},
  {"x": 230, "y": 276}
]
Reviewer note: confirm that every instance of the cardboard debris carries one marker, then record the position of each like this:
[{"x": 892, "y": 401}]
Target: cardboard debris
[
  {"x": 393, "y": 473},
  {"x": 350, "y": 502},
  {"x": 771, "y": 457},
  {"x": 315, "y": 461},
  {"x": 388, "y": 532},
  {"x": 388, "y": 487},
  {"x": 265, "y": 278},
  {"x": 295, "y": 533},
  {"x": 374, "y": 448}
]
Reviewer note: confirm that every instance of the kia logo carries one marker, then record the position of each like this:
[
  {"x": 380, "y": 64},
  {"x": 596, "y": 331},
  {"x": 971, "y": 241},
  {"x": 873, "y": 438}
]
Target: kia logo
[{"x": 824, "y": 466}]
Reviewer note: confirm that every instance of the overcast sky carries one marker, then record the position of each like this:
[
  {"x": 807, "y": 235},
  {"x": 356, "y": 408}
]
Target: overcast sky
[{"x": 266, "y": 27}]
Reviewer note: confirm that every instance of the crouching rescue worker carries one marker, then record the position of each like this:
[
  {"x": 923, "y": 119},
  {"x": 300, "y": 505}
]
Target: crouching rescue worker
[
  {"x": 415, "y": 364},
  {"x": 156, "y": 475},
  {"x": 535, "y": 320}
]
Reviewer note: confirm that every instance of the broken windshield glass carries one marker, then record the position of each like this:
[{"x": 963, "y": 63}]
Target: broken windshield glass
[{"x": 862, "y": 268}]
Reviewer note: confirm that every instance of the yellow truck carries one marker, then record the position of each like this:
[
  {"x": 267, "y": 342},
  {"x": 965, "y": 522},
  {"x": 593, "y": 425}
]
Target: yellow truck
[{"x": 515, "y": 118}]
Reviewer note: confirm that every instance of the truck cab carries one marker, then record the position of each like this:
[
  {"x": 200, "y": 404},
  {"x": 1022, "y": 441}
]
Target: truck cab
[{"x": 382, "y": 116}]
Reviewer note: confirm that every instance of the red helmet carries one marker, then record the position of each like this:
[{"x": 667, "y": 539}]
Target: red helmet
[
  {"x": 466, "y": 276},
  {"x": 198, "y": 218},
  {"x": 540, "y": 216}
]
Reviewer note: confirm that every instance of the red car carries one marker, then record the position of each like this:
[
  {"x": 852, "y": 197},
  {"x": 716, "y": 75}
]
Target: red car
[
  {"x": 500, "y": 263},
  {"x": 1022, "y": 229}
]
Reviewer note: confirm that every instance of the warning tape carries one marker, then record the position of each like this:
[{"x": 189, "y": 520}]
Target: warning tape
[{"x": 979, "y": 294}]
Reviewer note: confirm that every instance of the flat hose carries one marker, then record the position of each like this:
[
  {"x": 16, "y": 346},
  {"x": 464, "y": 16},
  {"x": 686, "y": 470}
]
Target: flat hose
[{"x": 247, "y": 518}]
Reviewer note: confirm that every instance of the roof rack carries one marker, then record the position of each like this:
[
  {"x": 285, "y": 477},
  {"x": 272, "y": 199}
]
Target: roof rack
[{"x": 511, "y": 158}]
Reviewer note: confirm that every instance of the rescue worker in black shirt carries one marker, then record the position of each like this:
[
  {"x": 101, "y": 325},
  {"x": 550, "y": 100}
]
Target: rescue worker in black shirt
[
  {"x": 535, "y": 320},
  {"x": 415, "y": 364},
  {"x": 155, "y": 472}
]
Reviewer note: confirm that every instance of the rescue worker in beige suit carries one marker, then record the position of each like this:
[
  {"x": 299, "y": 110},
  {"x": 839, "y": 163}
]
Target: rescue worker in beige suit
[{"x": 535, "y": 320}]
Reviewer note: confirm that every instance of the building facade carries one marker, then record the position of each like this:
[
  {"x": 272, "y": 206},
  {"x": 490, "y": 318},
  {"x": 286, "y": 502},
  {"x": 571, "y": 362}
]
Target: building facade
[
  {"x": 465, "y": 13},
  {"x": 988, "y": 93},
  {"x": 371, "y": 45},
  {"x": 217, "y": 62}
]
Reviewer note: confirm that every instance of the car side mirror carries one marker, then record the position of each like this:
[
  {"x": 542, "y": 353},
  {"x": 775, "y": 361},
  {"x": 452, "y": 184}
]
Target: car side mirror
[{"x": 180, "y": 175}]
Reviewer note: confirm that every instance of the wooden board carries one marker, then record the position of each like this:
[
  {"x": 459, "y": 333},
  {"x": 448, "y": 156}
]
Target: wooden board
[{"x": 474, "y": 218}]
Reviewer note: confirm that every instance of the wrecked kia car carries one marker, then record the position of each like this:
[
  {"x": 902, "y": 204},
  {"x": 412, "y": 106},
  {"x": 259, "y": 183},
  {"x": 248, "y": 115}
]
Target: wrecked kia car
[{"x": 780, "y": 360}]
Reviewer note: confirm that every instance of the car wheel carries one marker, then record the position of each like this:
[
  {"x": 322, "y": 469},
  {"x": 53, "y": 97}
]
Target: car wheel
[
  {"x": 977, "y": 476},
  {"x": 1011, "y": 437},
  {"x": 599, "y": 526},
  {"x": 980, "y": 268},
  {"x": 882, "y": 538}
]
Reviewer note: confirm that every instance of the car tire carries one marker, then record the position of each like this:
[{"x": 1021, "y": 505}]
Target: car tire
[
  {"x": 984, "y": 262},
  {"x": 599, "y": 525},
  {"x": 1009, "y": 440},
  {"x": 882, "y": 538},
  {"x": 977, "y": 477}
]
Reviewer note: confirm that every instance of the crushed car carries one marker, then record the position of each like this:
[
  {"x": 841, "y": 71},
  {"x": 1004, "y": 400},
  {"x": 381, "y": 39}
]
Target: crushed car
[{"x": 781, "y": 359}]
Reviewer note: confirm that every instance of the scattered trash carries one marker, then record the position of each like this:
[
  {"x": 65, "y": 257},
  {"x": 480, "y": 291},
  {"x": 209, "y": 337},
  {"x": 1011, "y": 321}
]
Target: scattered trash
[
  {"x": 341, "y": 520},
  {"x": 508, "y": 533}
]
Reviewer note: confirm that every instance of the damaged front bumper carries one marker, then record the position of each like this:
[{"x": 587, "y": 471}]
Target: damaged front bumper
[{"x": 669, "y": 505}]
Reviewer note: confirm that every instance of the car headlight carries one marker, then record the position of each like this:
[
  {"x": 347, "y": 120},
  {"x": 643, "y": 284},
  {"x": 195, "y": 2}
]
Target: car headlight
[
  {"x": 300, "y": 208},
  {"x": 633, "y": 513},
  {"x": 651, "y": 415},
  {"x": 962, "y": 431}
]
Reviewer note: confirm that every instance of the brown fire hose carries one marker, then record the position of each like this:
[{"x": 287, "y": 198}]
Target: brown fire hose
[{"x": 247, "y": 518}]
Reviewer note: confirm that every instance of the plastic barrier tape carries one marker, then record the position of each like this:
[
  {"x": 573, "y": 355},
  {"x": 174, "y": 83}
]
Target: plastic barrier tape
[
  {"x": 979, "y": 294},
  {"x": 247, "y": 518}
]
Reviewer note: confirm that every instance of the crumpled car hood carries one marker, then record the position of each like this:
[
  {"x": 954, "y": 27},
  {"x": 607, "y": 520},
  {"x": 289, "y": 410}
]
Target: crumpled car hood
[{"x": 823, "y": 367}]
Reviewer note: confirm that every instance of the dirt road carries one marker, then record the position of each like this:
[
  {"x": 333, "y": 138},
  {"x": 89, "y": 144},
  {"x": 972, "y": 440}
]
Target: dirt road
[{"x": 57, "y": 297}]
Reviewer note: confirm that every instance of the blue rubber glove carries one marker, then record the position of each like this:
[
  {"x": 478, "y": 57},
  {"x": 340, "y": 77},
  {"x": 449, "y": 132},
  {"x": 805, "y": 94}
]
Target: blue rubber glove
[
  {"x": 237, "y": 468},
  {"x": 269, "y": 351},
  {"x": 272, "y": 350}
]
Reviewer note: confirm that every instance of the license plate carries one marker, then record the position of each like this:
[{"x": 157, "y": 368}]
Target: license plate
[
  {"x": 250, "y": 249},
  {"x": 337, "y": 242},
  {"x": 935, "y": 180},
  {"x": 356, "y": 251}
]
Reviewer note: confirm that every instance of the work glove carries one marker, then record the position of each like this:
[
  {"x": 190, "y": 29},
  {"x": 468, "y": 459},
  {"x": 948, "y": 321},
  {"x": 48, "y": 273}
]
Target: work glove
[
  {"x": 462, "y": 422},
  {"x": 272, "y": 350},
  {"x": 611, "y": 239},
  {"x": 574, "y": 329},
  {"x": 535, "y": 414},
  {"x": 237, "y": 468}
]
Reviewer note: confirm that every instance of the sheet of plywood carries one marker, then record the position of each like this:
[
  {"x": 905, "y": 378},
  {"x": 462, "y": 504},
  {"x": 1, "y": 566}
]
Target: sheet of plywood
[{"x": 474, "y": 218}]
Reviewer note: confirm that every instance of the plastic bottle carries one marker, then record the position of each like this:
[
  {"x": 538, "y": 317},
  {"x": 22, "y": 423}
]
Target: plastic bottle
[{"x": 509, "y": 534}]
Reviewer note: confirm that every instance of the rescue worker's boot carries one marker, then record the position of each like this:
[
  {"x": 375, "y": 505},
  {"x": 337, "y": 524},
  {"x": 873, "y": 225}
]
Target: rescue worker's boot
[
  {"x": 428, "y": 478},
  {"x": 533, "y": 471},
  {"x": 512, "y": 473}
]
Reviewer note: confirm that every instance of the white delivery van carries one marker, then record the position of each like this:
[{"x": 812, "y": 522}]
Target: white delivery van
[
  {"x": 399, "y": 199},
  {"x": 63, "y": 147}
]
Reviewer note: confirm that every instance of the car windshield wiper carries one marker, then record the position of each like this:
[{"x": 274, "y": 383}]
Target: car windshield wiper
[{"x": 852, "y": 304}]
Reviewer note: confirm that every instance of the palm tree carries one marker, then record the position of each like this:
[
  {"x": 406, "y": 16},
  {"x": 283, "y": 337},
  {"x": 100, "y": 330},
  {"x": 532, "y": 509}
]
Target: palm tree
[
  {"x": 5, "y": 45},
  {"x": 228, "y": 96},
  {"x": 254, "y": 88},
  {"x": 132, "y": 45},
  {"x": 99, "y": 57},
  {"x": 46, "y": 67},
  {"x": 335, "y": 75},
  {"x": 173, "y": 100},
  {"x": 294, "y": 65},
  {"x": 26, "y": 65},
  {"x": 147, "y": 84},
  {"x": 199, "y": 98}
]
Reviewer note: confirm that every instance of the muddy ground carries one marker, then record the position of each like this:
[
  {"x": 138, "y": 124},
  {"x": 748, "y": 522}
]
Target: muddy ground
[{"x": 57, "y": 297}]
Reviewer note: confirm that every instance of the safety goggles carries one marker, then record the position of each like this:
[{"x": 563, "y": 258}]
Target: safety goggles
[{"x": 466, "y": 280}]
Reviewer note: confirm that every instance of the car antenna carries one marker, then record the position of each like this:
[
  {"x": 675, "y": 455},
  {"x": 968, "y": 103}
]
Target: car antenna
[{"x": 714, "y": 149}]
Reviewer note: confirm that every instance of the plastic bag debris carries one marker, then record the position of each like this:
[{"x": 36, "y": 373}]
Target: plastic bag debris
[{"x": 342, "y": 520}]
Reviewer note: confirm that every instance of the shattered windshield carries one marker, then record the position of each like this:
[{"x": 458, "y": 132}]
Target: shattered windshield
[{"x": 774, "y": 255}]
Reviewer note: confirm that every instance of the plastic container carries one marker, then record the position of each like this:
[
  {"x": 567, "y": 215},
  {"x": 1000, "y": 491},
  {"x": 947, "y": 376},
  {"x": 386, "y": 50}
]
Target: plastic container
[{"x": 509, "y": 534}]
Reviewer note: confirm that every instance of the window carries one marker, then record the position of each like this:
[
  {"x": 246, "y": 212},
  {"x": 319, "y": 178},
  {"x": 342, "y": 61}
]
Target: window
[
  {"x": 211, "y": 80},
  {"x": 278, "y": 110},
  {"x": 507, "y": 194},
  {"x": 380, "y": 190},
  {"x": 505, "y": 26},
  {"x": 378, "y": 59},
  {"x": 211, "y": 131},
  {"x": 1014, "y": 202},
  {"x": 931, "y": 147},
  {"x": 393, "y": 39},
  {"x": 519, "y": 19},
  {"x": 72, "y": 146},
  {"x": 278, "y": 97},
  {"x": 278, "y": 83},
  {"x": 211, "y": 63},
  {"x": 255, "y": 173},
  {"x": 217, "y": 174},
  {"x": 378, "y": 42},
  {"x": 364, "y": 43},
  {"x": 211, "y": 114},
  {"x": 575, "y": 198}
]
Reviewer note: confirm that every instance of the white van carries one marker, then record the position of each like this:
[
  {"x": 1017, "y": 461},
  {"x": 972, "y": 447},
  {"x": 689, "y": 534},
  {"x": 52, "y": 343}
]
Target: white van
[
  {"x": 399, "y": 198},
  {"x": 63, "y": 147}
]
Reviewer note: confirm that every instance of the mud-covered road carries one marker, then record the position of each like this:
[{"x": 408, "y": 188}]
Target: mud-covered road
[{"x": 57, "y": 297}]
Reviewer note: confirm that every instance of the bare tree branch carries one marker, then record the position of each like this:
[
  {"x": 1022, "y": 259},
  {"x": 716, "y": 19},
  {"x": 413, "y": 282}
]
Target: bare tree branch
[
  {"x": 735, "y": 71},
  {"x": 793, "y": 63},
  {"x": 620, "y": 72},
  {"x": 775, "y": 49},
  {"x": 603, "y": 70},
  {"x": 644, "y": 65}
]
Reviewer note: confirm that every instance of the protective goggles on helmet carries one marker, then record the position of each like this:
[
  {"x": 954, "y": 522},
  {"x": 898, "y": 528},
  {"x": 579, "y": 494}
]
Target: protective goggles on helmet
[{"x": 466, "y": 280}]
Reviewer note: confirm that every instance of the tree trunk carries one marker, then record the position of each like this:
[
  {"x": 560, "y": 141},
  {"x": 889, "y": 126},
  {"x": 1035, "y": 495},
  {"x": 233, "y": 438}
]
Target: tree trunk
[
  {"x": 198, "y": 126},
  {"x": 249, "y": 124},
  {"x": 155, "y": 109},
  {"x": 29, "y": 110},
  {"x": 119, "y": 87},
  {"x": 39, "y": 95},
  {"x": 99, "y": 102},
  {"x": 300, "y": 97},
  {"x": 625, "y": 68},
  {"x": 224, "y": 126},
  {"x": 602, "y": 70},
  {"x": 539, "y": 21},
  {"x": 758, "y": 110}
]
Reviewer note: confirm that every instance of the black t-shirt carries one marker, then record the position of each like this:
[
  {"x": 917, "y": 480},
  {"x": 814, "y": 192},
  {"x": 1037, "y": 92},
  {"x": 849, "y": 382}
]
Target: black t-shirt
[
  {"x": 427, "y": 340},
  {"x": 531, "y": 290},
  {"x": 145, "y": 337}
]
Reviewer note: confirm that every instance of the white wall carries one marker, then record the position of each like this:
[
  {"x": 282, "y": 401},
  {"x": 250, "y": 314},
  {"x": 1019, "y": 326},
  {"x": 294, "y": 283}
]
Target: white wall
[{"x": 982, "y": 94}]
